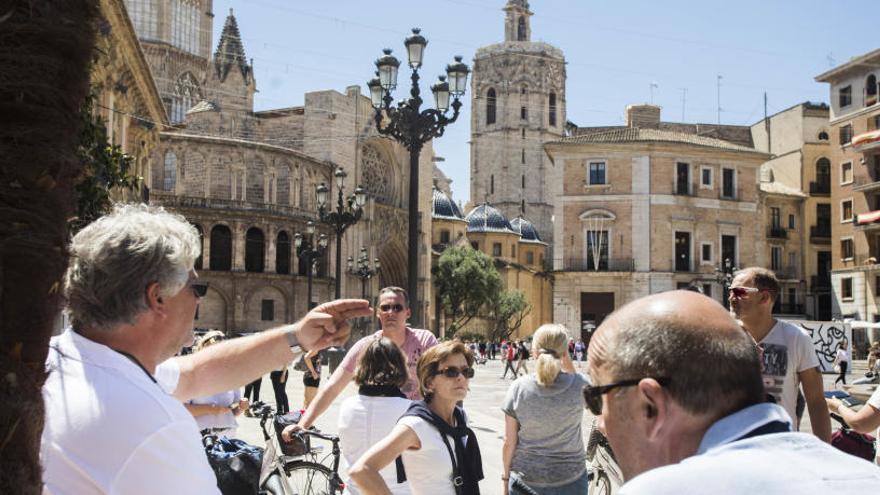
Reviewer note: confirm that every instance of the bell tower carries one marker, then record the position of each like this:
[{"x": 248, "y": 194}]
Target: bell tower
[{"x": 516, "y": 22}]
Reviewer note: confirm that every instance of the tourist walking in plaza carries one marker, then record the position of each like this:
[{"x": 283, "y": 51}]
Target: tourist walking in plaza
[
  {"x": 369, "y": 416},
  {"x": 393, "y": 312},
  {"x": 543, "y": 442},
  {"x": 522, "y": 358},
  {"x": 216, "y": 413},
  {"x": 114, "y": 419},
  {"x": 311, "y": 377},
  {"x": 508, "y": 355},
  {"x": 438, "y": 452},
  {"x": 279, "y": 383},
  {"x": 841, "y": 362}
]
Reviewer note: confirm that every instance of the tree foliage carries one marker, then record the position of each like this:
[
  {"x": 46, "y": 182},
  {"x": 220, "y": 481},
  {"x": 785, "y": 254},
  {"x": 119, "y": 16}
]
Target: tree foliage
[
  {"x": 467, "y": 282},
  {"x": 508, "y": 311}
]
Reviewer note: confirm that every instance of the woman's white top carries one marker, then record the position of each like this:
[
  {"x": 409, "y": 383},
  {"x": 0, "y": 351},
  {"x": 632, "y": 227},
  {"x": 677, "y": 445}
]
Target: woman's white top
[
  {"x": 222, "y": 420},
  {"x": 363, "y": 422},
  {"x": 842, "y": 356},
  {"x": 429, "y": 469}
]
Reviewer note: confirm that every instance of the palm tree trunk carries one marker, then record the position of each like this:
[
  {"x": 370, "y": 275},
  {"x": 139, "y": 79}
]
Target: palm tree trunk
[{"x": 44, "y": 77}]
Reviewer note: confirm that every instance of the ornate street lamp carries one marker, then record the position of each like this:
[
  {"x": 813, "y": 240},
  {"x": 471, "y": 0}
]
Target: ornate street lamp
[
  {"x": 412, "y": 127},
  {"x": 347, "y": 213},
  {"x": 724, "y": 276},
  {"x": 310, "y": 251},
  {"x": 361, "y": 268}
]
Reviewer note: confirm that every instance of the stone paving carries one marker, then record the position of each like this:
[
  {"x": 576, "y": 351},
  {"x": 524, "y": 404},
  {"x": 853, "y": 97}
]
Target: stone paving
[{"x": 482, "y": 405}]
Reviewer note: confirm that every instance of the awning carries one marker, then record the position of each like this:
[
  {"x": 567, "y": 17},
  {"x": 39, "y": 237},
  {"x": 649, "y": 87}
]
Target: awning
[
  {"x": 863, "y": 324},
  {"x": 866, "y": 138},
  {"x": 870, "y": 217}
]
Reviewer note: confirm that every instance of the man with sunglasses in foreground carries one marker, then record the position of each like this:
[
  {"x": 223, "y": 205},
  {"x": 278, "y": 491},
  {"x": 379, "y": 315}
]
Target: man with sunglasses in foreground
[
  {"x": 677, "y": 388},
  {"x": 393, "y": 312},
  {"x": 788, "y": 358},
  {"x": 114, "y": 419}
]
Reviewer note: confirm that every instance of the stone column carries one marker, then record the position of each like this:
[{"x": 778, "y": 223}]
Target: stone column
[
  {"x": 238, "y": 241},
  {"x": 206, "y": 247},
  {"x": 269, "y": 252}
]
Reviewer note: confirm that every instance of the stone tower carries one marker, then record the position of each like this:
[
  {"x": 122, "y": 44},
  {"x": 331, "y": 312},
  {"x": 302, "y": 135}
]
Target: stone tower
[
  {"x": 176, "y": 39},
  {"x": 517, "y": 105}
]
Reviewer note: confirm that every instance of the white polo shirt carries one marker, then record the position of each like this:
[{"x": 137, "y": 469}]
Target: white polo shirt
[{"x": 110, "y": 429}]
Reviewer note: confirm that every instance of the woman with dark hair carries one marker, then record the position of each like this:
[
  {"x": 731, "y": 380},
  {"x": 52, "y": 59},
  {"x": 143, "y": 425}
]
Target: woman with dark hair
[
  {"x": 368, "y": 417},
  {"x": 431, "y": 445},
  {"x": 841, "y": 362},
  {"x": 311, "y": 376}
]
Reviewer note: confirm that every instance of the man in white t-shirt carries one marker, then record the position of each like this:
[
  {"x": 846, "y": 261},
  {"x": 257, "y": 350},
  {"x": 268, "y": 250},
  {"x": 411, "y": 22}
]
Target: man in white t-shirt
[
  {"x": 114, "y": 419},
  {"x": 789, "y": 358}
]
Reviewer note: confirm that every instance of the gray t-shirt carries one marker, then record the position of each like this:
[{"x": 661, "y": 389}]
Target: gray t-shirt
[{"x": 550, "y": 450}]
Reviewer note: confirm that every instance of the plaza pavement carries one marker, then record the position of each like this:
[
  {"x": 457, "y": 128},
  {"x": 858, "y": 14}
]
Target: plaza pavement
[{"x": 482, "y": 406}]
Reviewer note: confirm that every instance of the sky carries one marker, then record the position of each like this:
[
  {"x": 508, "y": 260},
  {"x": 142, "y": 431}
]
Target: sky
[{"x": 617, "y": 53}]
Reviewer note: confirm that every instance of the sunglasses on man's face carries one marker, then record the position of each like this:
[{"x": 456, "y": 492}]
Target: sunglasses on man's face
[
  {"x": 397, "y": 308},
  {"x": 200, "y": 289},
  {"x": 453, "y": 372},
  {"x": 593, "y": 394},
  {"x": 741, "y": 292}
]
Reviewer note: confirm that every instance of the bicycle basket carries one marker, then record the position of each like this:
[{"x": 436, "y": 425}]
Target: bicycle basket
[{"x": 299, "y": 444}]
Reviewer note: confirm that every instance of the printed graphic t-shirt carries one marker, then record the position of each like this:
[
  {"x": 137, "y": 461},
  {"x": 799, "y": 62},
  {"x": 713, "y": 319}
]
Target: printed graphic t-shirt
[
  {"x": 417, "y": 342},
  {"x": 788, "y": 350}
]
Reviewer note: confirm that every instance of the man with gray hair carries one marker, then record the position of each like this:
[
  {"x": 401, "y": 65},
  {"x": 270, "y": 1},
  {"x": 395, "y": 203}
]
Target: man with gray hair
[
  {"x": 677, "y": 387},
  {"x": 115, "y": 422}
]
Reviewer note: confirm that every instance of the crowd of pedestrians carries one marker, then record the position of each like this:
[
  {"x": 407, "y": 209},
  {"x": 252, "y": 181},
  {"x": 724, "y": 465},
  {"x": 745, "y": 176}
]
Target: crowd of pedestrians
[{"x": 691, "y": 397}]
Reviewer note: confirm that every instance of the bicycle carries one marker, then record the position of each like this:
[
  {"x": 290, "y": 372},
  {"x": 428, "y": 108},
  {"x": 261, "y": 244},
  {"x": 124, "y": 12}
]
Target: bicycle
[
  {"x": 605, "y": 475},
  {"x": 306, "y": 474}
]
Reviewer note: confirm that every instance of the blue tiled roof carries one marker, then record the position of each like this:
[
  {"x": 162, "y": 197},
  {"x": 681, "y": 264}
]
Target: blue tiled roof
[
  {"x": 485, "y": 218},
  {"x": 526, "y": 230},
  {"x": 444, "y": 207}
]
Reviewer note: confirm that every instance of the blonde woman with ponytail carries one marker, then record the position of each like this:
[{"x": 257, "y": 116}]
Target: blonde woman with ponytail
[{"x": 543, "y": 442}]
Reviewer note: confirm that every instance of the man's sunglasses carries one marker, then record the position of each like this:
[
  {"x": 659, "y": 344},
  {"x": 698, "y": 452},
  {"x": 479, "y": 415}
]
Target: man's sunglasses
[
  {"x": 397, "y": 308},
  {"x": 740, "y": 292},
  {"x": 593, "y": 395},
  {"x": 453, "y": 372},
  {"x": 200, "y": 289}
]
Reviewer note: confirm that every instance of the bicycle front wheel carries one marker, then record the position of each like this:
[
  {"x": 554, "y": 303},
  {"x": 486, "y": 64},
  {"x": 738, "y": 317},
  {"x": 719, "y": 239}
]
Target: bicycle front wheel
[{"x": 310, "y": 478}]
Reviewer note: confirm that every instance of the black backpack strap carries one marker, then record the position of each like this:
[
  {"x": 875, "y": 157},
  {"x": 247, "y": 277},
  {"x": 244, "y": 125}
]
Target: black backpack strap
[{"x": 457, "y": 480}]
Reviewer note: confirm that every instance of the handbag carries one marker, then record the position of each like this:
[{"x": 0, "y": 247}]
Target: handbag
[
  {"x": 298, "y": 444},
  {"x": 854, "y": 443},
  {"x": 236, "y": 463},
  {"x": 300, "y": 364}
]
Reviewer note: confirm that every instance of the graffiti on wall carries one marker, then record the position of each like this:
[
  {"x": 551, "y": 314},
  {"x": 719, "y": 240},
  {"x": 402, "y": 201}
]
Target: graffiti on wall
[{"x": 826, "y": 337}]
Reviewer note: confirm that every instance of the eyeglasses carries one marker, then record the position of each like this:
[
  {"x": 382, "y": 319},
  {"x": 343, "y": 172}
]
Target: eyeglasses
[
  {"x": 397, "y": 308},
  {"x": 741, "y": 292},
  {"x": 453, "y": 372},
  {"x": 593, "y": 395},
  {"x": 200, "y": 289}
]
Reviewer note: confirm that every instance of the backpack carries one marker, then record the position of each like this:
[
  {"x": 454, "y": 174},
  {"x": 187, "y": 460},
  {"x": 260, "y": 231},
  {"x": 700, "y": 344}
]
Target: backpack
[{"x": 524, "y": 352}]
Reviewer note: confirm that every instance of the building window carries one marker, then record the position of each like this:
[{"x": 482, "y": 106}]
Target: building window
[
  {"x": 597, "y": 174},
  {"x": 870, "y": 90},
  {"x": 530, "y": 258},
  {"x": 706, "y": 177},
  {"x": 513, "y": 251},
  {"x": 221, "y": 248},
  {"x": 823, "y": 136},
  {"x": 774, "y": 218},
  {"x": 282, "y": 253},
  {"x": 521, "y": 29},
  {"x": 475, "y": 245},
  {"x": 845, "y": 96},
  {"x": 186, "y": 94},
  {"x": 775, "y": 258},
  {"x": 707, "y": 290},
  {"x": 523, "y": 113},
  {"x": 728, "y": 249},
  {"x": 254, "y": 250},
  {"x": 523, "y": 179},
  {"x": 846, "y": 211},
  {"x": 846, "y": 249},
  {"x": 846, "y": 288},
  {"x": 706, "y": 252},
  {"x": 792, "y": 260},
  {"x": 267, "y": 310},
  {"x": 552, "y": 109},
  {"x": 523, "y": 133},
  {"x": 597, "y": 249},
  {"x": 682, "y": 178},
  {"x": 496, "y": 249},
  {"x": 522, "y": 158},
  {"x": 492, "y": 184},
  {"x": 846, "y": 173},
  {"x": 728, "y": 183},
  {"x": 682, "y": 251},
  {"x": 170, "y": 178},
  {"x": 791, "y": 222},
  {"x": 845, "y": 134},
  {"x": 144, "y": 15},
  {"x": 490, "y": 106},
  {"x": 444, "y": 237}
]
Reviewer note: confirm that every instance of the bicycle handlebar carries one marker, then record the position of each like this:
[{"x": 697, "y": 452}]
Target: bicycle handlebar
[{"x": 318, "y": 434}]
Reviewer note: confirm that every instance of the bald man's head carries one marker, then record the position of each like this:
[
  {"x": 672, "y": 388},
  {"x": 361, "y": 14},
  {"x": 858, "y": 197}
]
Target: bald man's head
[{"x": 711, "y": 363}]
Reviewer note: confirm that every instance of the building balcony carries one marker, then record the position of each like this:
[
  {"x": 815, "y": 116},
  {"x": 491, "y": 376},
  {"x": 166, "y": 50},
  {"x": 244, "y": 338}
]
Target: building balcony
[
  {"x": 612, "y": 265},
  {"x": 866, "y": 261},
  {"x": 865, "y": 184},
  {"x": 820, "y": 234},
  {"x": 821, "y": 188},
  {"x": 820, "y": 283},
  {"x": 868, "y": 221},
  {"x": 786, "y": 273},
  {"x": 777, "y": 232},
  {"x": 173, "y": 200},
  {"x": 866, "y": 141}
]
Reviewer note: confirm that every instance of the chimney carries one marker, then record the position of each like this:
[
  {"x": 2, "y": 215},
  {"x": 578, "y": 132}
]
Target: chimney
[{"x": 644, "y": 116}]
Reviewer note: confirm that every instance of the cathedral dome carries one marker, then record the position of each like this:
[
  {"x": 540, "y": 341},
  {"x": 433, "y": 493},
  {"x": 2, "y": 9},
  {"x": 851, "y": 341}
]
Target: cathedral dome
[
  {"x": 526, "y": 230},
  {"x": 444, "y": 208},
  {"x": 485, "y": 218}
]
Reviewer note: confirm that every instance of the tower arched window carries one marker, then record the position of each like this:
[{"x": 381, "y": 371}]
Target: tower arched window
[
  {"x": 823, "y": 174},
  {"x": 552, "y": 112},
  {"x": 221, "y": 248},
  {"x": 282, "y": 253},
  {"x": 491, "y": 102},
  {"x": 186, "y": 94},
  {"x": 823, "y": 136},
  {"x": 170, "y": 174},
  {"x": 254, "y": 250},
  {"x": 144, "y": 15},
  {"x": 521, "y": 29},
  {"x": 871, "y": 90},
  {"x": 185, "y": 19}
]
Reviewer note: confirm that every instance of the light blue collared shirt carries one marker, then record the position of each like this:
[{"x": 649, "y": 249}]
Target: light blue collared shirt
[{"x": 771, "y": 464}]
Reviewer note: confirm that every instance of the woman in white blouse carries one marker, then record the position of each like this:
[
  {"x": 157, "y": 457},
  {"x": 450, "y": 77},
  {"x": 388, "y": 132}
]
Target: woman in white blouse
[{"x": 216, "y": 413}]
